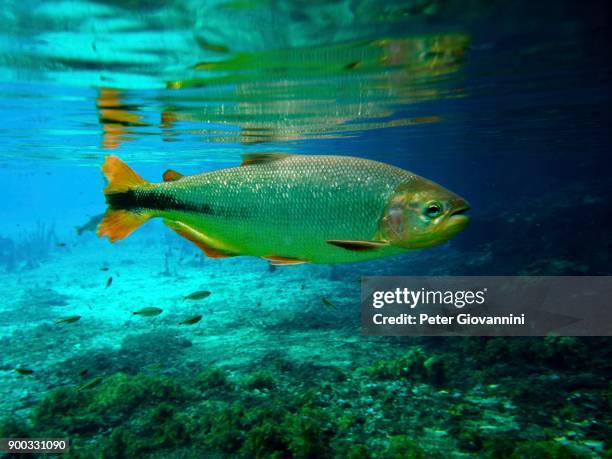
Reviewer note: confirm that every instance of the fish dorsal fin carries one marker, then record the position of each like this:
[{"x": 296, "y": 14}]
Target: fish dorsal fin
[
  {"x": 262, "y": 157},
  {"x": 172, "y": 176},
  {"x": 204, "y": 243},
  {"x": 358, "y": 246}
]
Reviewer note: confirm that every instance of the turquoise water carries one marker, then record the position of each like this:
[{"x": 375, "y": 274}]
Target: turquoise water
[{"x": 507, "y": 105}]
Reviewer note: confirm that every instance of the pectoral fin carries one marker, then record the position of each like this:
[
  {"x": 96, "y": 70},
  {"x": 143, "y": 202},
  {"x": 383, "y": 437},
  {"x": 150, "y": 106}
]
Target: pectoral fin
[
  {"x": 172, "y": 176},
  {"x": 206, "y": 244},
  {"x": 358, "y": 246},
  {"x": 282, "y": 261}
]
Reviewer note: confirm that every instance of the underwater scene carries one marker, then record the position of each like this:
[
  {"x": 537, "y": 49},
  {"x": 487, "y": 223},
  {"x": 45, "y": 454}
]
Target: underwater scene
[{"x": 149, "y": 311}]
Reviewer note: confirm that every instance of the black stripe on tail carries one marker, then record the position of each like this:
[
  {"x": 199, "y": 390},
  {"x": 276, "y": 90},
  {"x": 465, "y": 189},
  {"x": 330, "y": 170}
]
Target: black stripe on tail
[
  {"x": 124, "y": 200},
  {"x": 129, "y": 200}
]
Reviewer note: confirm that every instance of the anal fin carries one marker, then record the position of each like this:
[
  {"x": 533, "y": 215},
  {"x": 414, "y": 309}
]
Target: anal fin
[
  {"x": 358, "y": 246},
  {"x": 203, "y": 242},
  {"x": 119, "y": 223}
]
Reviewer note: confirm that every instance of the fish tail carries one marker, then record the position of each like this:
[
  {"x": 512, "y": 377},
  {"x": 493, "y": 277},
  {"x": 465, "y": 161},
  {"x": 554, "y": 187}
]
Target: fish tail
[
  {"x": 120, "y": 176},
  {"x": 121, "y": 218}
]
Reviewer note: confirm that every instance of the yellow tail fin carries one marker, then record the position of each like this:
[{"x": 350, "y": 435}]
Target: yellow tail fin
[
  {"x": 119, "y": 223},
  {"x": 120, "y": 176}
]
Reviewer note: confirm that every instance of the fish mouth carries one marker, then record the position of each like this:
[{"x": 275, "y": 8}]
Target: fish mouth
[
  {"x": 458, "y": 219},
  {"x": 460, "y": 211}
]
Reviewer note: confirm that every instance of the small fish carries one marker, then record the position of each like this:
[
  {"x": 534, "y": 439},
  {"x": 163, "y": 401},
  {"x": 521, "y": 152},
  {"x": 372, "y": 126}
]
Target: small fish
[
  {"x": 91, "y": 384},
  {"x": 199, "y": 295},
  {"x": 67, "y": 320},
  {"x": 84, "y": 372},
  {"x": 191, "y": 320},
  {"x": 109, "y": 281},
  {"x": 328, "y": 303},
  {"x": 148, "y": 312},
  {"x": 61, "y": 244},
  {"x": 24, "y": 371},
  {"x": 91, "y": 224},
  {"x": 104, "y": 268}
]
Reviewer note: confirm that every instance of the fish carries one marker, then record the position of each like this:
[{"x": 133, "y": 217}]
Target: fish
[
  {"x": 104, "y": 268},
  {"x": 191, "y": 320},
  {"x": 289, "y": 209},
  {"x": 90, "y": 384},
  {"x": 148, "y": 312},
  {"x": 84, "y": 372},
  {"x": 328, "y": 303},
  {"x": 199, "y": 295},
  {"x": 90, "y": 225},
  {"x": 24, "y": 371},
  {"x": 109, "y": 281},
  {"x": 67, "y": 320},
  {"x": 61, "y": 244}
]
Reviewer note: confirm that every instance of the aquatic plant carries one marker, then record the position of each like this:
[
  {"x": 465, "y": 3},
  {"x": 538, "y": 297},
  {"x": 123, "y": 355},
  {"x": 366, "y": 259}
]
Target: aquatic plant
[
  {"x": 14, "y": 427},
  {"x": 213, "y": 378},
  {"x": 290, "y": 409},
  {"x": 414, "y": 365},
  {"x": 223, "y": 424},
  {"x": 557, "y": 351},
  {"x": 547, "y": 450},
  {"x": 161, "y": 427},
  {"x": 167, "y": 272},
  {"x": 71, "y": 410},
  {"x": 8, "y": 256},
  {"x": 404, "y": 447},
  {"x": 29, "y": 249},
  {"x": 261, "y": 379}
]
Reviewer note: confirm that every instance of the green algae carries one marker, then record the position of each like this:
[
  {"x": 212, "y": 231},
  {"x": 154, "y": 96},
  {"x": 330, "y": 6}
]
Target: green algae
[
  {"x": 416, "y": 404},
  {"x": 404, "y": 447},
  {"x": 410, "y": 365},
  {"x": 213, "y": 378},
  {"x": 546, "y": 450},
  {"x": 414, "y": 365},
  {"x": 72, "y": 411},
  {"x": 13, "y": 427},
  {"x": 262, "y": 379}
]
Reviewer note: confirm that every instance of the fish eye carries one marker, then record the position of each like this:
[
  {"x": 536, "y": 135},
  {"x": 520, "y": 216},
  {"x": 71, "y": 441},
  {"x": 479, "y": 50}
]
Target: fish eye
[{"x": 433, "y": 209}]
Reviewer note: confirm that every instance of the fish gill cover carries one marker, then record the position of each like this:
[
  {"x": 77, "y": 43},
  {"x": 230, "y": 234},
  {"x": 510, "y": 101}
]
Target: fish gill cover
[{"x": 150, "y": 348}]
